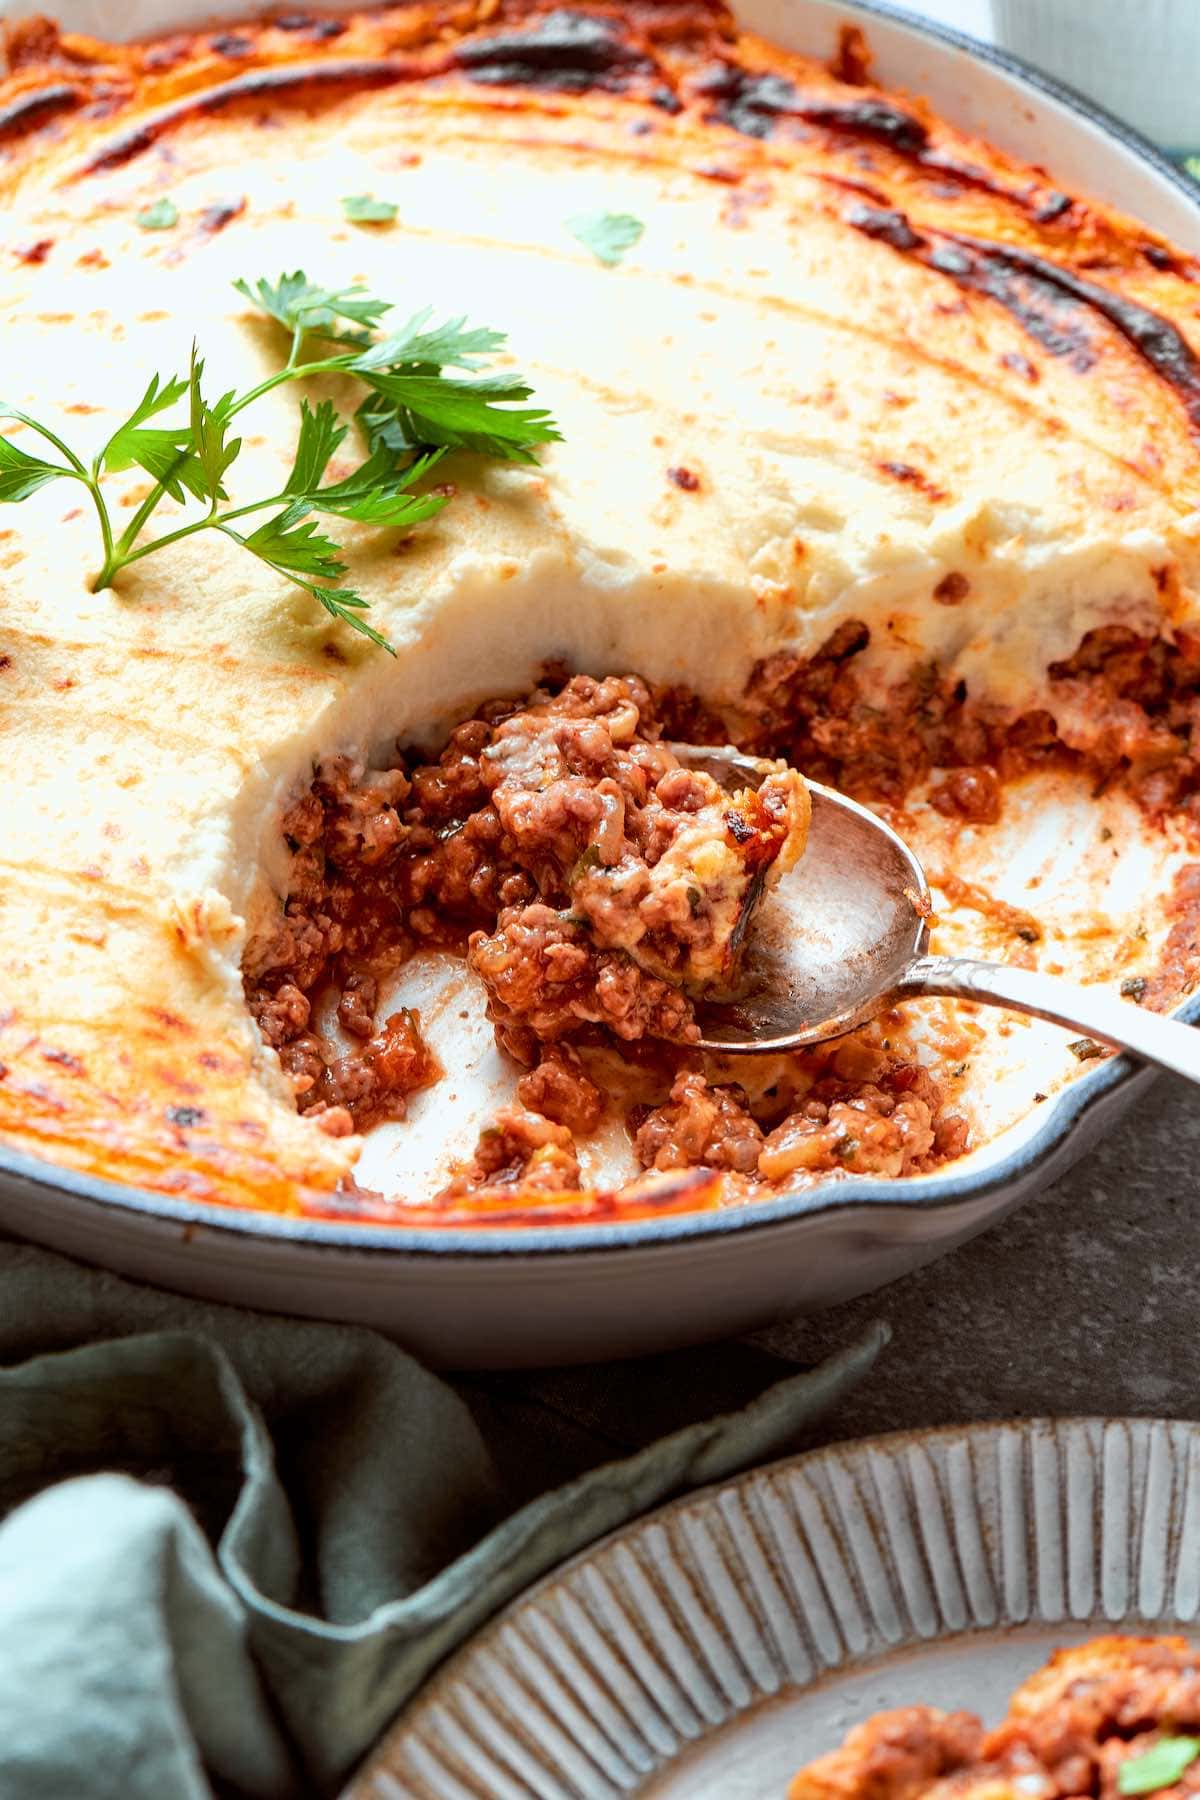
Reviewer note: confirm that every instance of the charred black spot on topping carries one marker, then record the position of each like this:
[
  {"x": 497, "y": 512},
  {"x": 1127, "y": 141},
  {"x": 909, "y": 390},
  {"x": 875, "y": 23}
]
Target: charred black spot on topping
[
  {"x": 683, "y": 478},
  {"x": 1159, "y": 256},
  {"x": 1020, "y": 365},
  {"x": 1052, "y": 207},
  {"x": 215, "y": 218},
  {"x": 31, "y": 110},
  {"x": 870, "y": 118},
  {"x": 749, "y": 103},
  {"x": 952, "y": 590},
  {"x": 566, "y": 50},
  {"x": 752, "y": 103},
  {"x": 885, "y": 223},
  {"x": 1154, "y": 338},
  {"x": 5, "y": 661},
  {"x": 35, "y": 253},
  {"x": 738, "y": 829},
  {"x": 1039, "y": 304},
  {"x": 379, "y": 72},
  {"x": 320, "y": 28},
  {"x": 230, "y": 43},
  {"x": 912, "y": 477},
  {"x": 64, "y": 1060},
  {"x": 185, "y": 1115},
  {"x": 122, "y": 151},
  {"x": 665, "y": 99}
]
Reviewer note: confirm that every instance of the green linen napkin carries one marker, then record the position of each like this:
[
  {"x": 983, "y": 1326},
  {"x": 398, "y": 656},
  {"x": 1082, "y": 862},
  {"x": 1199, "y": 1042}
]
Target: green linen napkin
[{"x": 234, "y": 1545}]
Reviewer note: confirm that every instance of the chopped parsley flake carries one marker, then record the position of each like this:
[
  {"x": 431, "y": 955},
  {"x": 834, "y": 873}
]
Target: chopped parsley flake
[
  {"x": 160, "y": 215},
  {"x": 607, "y": 235},
  {"x": 364, "y": 209},
  {"x": 1160, "y": 1767}
]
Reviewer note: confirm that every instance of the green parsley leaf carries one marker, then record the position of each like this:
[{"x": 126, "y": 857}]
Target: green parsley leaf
[
  {"x": 607, "y": 235},
  {"x": 339, "y": 602},
  {"x": 364, "y": 209},
  {"x": 377, "y": 493},
  {"x": 210, "y": 444},
  {"x": 320, "y": 434},
  {"x": 448, "y": 346},
  {"x": 163, "y": 451},
  {"x": 158, "y": 396},
  {"x": 22, "y": 474},
  {"x": 475, "y": 414},
  {"x": 1159, "y": 1767},
  {"x": 300, "y": 304},
  {"x": 160, "y": 215},
  {"x": 1192, "y": 165},
  {"x": 291, "y": 543}
]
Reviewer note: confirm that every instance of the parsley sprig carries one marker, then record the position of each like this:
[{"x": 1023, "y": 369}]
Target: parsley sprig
[{"x": 412, "y": 414}]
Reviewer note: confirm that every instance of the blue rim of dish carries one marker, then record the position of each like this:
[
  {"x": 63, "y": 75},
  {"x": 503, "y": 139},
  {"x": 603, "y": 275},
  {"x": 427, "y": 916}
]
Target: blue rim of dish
[{"x": 1064, "y": 1111}]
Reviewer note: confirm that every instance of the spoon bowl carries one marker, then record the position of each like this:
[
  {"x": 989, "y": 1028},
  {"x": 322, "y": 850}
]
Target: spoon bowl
[{"x": 845, "y": 934}]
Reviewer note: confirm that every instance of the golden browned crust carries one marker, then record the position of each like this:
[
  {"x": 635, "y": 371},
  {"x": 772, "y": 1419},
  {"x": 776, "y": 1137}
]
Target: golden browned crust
[{"x": 1096, "y": 290}]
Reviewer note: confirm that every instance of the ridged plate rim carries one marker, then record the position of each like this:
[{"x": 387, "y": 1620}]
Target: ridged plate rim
[{"x": 605, "y": 1673}]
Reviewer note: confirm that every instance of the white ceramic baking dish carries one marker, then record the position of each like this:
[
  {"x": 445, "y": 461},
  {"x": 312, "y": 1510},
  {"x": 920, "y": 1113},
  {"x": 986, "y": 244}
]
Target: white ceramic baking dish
[{"x": 498, "y": 1297}]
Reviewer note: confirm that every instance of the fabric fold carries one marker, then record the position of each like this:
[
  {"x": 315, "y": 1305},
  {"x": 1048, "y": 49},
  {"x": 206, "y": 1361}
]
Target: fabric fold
[{"x": 235, "y": 1545}]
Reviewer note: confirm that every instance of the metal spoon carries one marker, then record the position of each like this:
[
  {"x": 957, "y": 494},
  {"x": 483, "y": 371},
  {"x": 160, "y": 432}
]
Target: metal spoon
[{"x": 845, "y": 935}]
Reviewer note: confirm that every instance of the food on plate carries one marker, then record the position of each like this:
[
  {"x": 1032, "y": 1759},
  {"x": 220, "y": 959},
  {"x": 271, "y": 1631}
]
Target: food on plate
[
  {"x": 1115, "y": 1716},
  {"x": 418, "y": 419}
]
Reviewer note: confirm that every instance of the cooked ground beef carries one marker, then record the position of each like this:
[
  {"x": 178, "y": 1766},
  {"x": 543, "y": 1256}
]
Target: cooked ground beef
[
  {"x": 519, "y": 1149},
  {"x": 1126, "y": 708},
  {"x": 894, "y": 1756},
  {"x": 546, "y": 979},
  {"x": 594, "y": 884},
  {"x": 560, "y": 1089},
  {"x": 700, "y": 1126},
  {"x": 867, "y": 1112},
  {"x": 592, "y": 876}
]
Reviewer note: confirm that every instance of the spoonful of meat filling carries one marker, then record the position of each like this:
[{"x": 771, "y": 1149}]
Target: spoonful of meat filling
[
  {"x": 647, "y": 872},
  {"x": 845, "y": 934}
]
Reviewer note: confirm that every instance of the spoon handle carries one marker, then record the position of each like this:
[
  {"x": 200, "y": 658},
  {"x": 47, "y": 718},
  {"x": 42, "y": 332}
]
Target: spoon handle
[{"x": 1095, "y": 1011}]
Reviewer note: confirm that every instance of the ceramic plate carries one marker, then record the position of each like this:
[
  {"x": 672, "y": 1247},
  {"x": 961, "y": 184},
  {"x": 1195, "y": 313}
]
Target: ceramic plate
[
  {"x": 495, "y": 1297},
  {"x": 708, "y": 1650}
]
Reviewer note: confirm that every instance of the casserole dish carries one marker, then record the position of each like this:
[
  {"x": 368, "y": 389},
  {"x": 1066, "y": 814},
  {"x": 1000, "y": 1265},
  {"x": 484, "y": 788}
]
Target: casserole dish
[{"x": 723, "y": 1267}]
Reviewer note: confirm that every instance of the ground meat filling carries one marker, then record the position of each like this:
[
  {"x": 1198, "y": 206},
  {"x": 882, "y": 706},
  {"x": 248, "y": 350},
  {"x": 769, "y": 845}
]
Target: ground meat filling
[
  {"x": 700, "y": 1125},
  {"x": 646, "y": 872},
  {"x": 559, "y": 1089},
  {"x": 519, "y": 1150},
  {"x": 860, "y": 1111},
  {"x": 590, "y": 878},
  {"x": 1126, "y": 708},
  {"x": 546, "y": 979},
  {"x": 596, "y": 886},
  {"x": 1075, "y": 1727}
]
